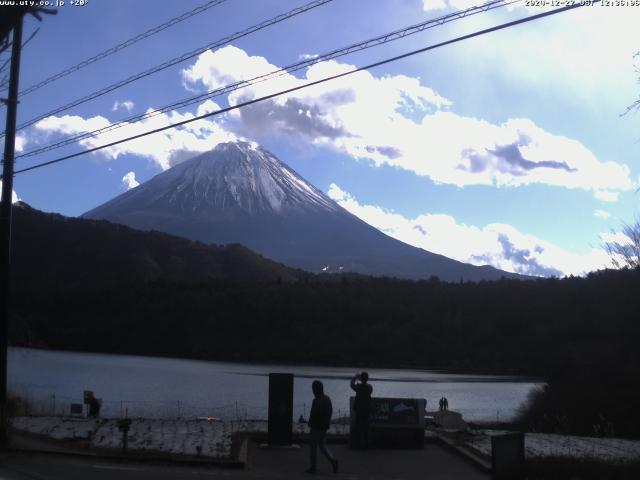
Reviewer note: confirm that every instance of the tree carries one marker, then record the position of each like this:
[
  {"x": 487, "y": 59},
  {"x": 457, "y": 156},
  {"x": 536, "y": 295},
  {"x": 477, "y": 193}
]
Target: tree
[
  {"x": 624, "y": 246},
  {"x": 635, "y": 105}
]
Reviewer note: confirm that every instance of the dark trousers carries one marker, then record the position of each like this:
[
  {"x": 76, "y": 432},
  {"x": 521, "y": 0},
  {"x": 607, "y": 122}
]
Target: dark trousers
[
  {"x": 361, "y": 428},
  {"x": 318, "y": 439}
]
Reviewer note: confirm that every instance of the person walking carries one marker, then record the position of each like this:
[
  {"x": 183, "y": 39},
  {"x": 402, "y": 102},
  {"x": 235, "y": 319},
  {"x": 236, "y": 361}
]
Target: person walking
[
  {"x": 319, "y": 421},
  {"x": 361, "y": 406}
]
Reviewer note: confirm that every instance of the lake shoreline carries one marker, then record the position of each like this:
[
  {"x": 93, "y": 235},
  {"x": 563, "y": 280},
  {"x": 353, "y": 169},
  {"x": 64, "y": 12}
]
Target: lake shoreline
[
  {"x": 515, "y": 373},
  {"x": 166, "y": 387}
]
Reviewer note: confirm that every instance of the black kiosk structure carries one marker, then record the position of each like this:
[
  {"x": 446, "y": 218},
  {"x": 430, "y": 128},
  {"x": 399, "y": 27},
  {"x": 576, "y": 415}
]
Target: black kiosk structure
[{"x": 394, "y": 422}]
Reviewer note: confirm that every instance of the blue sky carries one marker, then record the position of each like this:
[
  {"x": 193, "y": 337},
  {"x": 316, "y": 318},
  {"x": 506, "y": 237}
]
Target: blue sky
[{"x": 507, "y": 149}]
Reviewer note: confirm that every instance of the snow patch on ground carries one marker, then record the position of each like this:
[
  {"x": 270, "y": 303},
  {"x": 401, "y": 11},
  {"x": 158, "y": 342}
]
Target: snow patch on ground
[
  {"x": 178, "y": 437},
  {"x": 175, "y": 437},
  {"x": 540, "y": 445},
  {"x": 262, "y": 426},
  {"x": 58, "y": 428}
]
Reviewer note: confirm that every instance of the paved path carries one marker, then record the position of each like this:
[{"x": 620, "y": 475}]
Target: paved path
[
  {"x": 29, "y": 466},
  {"x": 433, "y": 463}
]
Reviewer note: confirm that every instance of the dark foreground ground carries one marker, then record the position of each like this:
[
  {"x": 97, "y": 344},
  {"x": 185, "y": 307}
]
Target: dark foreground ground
[{"x": 434, "y": 462}]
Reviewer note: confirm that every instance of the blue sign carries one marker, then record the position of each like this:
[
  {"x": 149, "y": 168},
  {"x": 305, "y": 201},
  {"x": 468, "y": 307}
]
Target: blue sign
[{"x": 396, "y": 411}]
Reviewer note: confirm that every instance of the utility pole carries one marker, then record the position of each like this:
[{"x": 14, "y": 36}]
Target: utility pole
[
  {"x": 5, "y": 222},
  {"x": 11, "y": 19}
]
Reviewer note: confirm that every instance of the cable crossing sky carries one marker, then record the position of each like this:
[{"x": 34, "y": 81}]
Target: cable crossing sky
[
  {"x": 122, "y": 46},
  {"x": 309, "y": 84},
  {"x": 177, "y": 60},
  {"x": 372, "y": 42}
]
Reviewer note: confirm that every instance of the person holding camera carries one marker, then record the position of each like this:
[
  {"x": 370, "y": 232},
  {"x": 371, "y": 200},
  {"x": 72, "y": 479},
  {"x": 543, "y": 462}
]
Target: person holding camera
[{"x": 361, "y": 407}]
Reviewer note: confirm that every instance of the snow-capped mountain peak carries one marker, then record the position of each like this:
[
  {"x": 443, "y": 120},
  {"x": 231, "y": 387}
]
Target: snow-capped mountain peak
[
  {"x": 238, "y": 175},
  {"x": 241, "y": 193}
]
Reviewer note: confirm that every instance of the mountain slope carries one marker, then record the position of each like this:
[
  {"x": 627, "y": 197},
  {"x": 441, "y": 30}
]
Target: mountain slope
[
  {"x": 53, "y": 252},
  {"x": 238, "y": 193}
]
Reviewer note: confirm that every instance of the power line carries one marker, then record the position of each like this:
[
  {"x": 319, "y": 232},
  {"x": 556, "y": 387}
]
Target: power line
[
  {"x": 381, "y": 39},
  {"x": 122, "y": 46},
  {"x": 6, "y": 63},
  {"x": 310, "y": 84},
  {"x": 176, "y": 60},
  {"x": 372, "y": 42}
]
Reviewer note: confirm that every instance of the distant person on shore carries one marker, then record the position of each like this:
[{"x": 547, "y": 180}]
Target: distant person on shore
[
  {"x": 319, "y": 421},
  {"x": 361, "y": 406},
  {"x": 441, "y": 403},
  {"x": 94, "y": 406},
  {"x": 445, "y": 403}
]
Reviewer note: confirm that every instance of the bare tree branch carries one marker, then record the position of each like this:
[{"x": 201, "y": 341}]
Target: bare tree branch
[
  {"x": 635, "y": 105},
  {"x": 625, "y": 250}
]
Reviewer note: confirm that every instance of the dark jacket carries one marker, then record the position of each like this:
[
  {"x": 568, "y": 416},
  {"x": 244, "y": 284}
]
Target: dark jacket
[
  {"x": 363, "y": 397},
  {"x": 321, "y": 410}
]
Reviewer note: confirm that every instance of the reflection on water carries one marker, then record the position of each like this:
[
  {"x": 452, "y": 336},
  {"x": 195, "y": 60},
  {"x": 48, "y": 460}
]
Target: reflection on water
[{"x": 168, "y": 387}]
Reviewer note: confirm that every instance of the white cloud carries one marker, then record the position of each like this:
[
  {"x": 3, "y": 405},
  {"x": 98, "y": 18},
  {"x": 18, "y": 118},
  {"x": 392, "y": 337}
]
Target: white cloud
[
  {"x": 601, "y": 214},
  {"x": 465, "y": 151},
  {"x": 308, "y": 56},
  {"x": 317, "y": 112},
  {"x": 464, "y": 4},
  {"x": 21, "y": 142},
  {"x": 428, "y": 5},
  {"x": 14, "y": 195},
  {"x": 395, "y": 120},
  {"x": 606, "y": 195},
  {"x": 129, "y": 181},
  {"x": 165, "y": 148},
  {"x": 583, "y": 59},
  {"x": 499, "y": 245},
  {"x": 126, "y": 104},
  {"x": 619, "y": 238}
]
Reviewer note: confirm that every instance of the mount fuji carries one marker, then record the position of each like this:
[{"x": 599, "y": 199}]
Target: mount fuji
[{"x": 241, "y": 193}]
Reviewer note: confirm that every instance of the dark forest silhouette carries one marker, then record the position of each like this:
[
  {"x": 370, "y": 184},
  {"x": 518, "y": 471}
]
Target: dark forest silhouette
[{"x": 579, "y": 334}]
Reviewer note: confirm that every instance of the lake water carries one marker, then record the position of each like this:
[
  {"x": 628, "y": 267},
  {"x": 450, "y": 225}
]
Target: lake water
[{"x": 169, "y": 387}]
